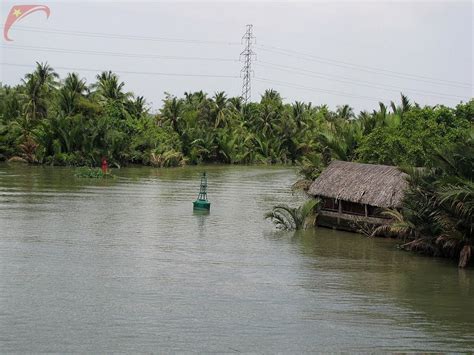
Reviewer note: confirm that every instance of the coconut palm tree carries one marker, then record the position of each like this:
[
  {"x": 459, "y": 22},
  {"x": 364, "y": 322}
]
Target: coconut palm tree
[
  {"x": 137, "y": 107},
  {"x": 236, "y": 103},
  {"x": 45, "y": 75},
  {"x": 345, "y": 112},
  {"x": 342, "y": 140},
  {"x": 401, "y": 109},
  {"x": 298, "y": 114},
  {"x": 220, "y": 111},
  {"x": 110, "y": 88},
  {"x": 171, "y": 112},
  {"x": 38, "y": 86},
  {"x": 10, "y": 103},
  {"x": 74, "y": 83},
  {"x": 271, "y": 96},
  {"x": 289, "y": 218}
]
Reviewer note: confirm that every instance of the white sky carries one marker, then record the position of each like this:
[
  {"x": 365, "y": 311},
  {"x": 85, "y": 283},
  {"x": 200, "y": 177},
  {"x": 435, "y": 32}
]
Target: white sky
[{"x": 411, "y": 41}]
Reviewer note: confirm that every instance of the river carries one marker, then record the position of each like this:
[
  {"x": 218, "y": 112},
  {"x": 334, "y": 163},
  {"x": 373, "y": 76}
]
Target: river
[{"x": 124, "y": 265}]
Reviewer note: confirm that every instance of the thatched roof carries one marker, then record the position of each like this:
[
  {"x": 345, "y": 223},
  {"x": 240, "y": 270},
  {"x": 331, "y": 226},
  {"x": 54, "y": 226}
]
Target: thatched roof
[{"x": 376, "y": 185}]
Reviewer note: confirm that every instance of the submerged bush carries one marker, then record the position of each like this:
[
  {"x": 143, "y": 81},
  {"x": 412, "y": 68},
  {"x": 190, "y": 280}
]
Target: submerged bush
[{"x": 93, "y": 173}]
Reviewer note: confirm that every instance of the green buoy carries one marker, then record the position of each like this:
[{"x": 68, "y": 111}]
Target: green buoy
[{"x": 202, "y": 203}]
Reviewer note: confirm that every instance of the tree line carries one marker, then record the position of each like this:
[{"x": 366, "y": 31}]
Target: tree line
[{"x": 49, "y": 120}]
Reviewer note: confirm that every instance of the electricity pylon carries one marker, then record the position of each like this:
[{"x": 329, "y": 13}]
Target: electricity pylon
[{"x": 247, "y": 56}]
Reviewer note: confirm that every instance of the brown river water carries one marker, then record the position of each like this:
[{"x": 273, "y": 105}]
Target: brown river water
[{"x": 124, "y": 265}]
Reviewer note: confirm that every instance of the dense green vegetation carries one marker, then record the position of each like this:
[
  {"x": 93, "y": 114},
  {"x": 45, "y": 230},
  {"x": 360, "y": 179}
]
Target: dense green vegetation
[
  {"x": 49, "y": 120},
  {"x": 437, "y": 217},
  {"x": 66, "y": 122}
]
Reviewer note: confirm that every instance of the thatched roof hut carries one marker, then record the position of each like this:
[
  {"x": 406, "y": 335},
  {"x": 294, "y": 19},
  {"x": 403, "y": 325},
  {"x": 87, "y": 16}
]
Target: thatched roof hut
[{"x": 366, "y": 184}]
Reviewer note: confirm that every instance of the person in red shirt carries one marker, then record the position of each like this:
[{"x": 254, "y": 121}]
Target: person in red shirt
[{"x": 105, "y": 166}]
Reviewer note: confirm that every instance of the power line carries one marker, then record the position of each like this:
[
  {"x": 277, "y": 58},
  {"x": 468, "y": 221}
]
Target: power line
[
  {"x": 246, "y": 57},
  {"x": 114, "y": 54},
  {"x": 119, "y": 36},
  {"x": 264, "y": 64},
  {"x": 350, "y": 81},
  {"x": 380, "y": 71},
  {"x": 278, "y": 50},
  {"x": 129, "y": 72},
  {"x": 313, "y": 89}
]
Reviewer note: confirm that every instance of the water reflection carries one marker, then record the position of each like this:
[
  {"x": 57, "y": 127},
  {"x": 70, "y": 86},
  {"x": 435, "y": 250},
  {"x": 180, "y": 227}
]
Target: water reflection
[{"x": 200, "y": 216}]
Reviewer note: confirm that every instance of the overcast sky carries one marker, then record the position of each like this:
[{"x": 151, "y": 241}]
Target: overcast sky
[{"x": 331, "y": 53}]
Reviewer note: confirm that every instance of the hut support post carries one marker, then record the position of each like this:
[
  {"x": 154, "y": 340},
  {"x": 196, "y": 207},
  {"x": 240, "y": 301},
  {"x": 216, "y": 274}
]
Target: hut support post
[
  {"x": 366, "y": 212},
  {"x": 339, "y": 212}
]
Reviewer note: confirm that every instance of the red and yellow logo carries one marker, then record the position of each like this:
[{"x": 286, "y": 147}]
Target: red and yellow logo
[{"x": 19, "y": 12}]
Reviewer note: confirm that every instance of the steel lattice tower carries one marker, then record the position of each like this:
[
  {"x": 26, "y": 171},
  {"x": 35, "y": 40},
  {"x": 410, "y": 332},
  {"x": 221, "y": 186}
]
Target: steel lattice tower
[{"x": 246, "y": 57}]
